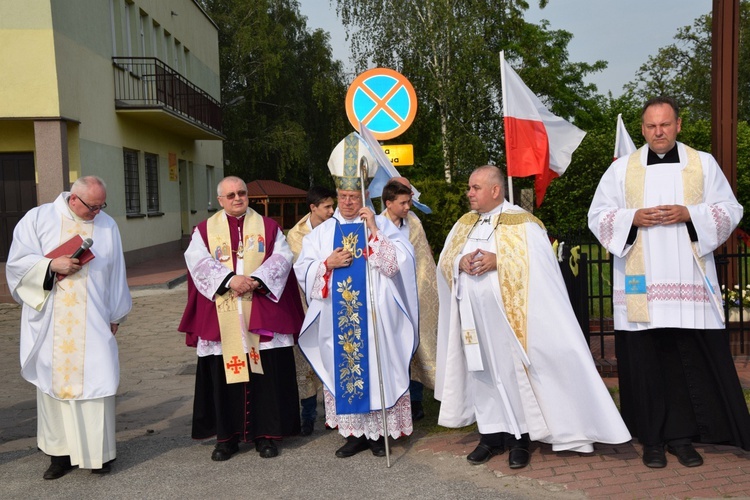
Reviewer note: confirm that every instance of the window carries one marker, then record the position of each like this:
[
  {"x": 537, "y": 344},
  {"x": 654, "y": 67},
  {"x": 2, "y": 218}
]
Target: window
[
  {"x": 132, "y": 186},
  {"x": 152, "y": 182}
]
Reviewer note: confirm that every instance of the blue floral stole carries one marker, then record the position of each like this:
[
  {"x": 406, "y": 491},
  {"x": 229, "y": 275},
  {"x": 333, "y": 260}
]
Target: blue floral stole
[{"x": 350, "y": 332}]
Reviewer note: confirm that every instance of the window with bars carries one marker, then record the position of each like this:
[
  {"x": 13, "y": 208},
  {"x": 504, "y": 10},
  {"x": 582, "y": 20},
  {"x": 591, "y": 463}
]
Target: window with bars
[
  {"x": 152, "y": 182},
  {"x": 132, "y": 186}
]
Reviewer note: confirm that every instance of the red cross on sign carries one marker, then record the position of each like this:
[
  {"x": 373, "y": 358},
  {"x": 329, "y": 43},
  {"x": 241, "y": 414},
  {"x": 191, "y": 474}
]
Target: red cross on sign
[
  {"x": 383, "y": 100},
  {"x": 236, "y": 365}
]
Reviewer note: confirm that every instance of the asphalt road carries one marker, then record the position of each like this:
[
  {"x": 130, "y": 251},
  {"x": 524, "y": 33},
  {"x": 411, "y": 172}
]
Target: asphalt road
[{"x": 156, "y": 458}]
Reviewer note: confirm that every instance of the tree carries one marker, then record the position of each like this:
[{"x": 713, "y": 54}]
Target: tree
[
  {"x": 282, "y": 92},
  {"x": 683, "y": 69},
  {"x": 450, "y": 52}
]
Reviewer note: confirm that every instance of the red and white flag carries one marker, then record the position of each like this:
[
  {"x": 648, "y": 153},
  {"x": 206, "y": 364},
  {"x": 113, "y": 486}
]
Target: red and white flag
[
  {"x": 623, "y": 143},
  {"x": 537, "y": 142}
]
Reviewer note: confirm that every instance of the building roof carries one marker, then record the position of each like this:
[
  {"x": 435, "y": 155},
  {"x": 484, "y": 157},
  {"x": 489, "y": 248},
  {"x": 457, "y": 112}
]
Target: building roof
[{"x": 273, "y": 189}]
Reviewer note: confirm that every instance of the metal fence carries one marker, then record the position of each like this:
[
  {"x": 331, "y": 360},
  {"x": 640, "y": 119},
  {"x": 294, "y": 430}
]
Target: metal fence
[
  {"x": 148, "y": 83},
  {"x": 587, "y": 269}
]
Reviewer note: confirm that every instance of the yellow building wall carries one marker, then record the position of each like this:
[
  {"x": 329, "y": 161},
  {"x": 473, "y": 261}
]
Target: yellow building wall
[
  {"x": 28, "y": 78},
  {"x": 63, "y": 51}
]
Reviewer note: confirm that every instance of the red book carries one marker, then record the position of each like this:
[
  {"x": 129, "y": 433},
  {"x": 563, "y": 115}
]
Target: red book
[{"x": 69, "y": 248}]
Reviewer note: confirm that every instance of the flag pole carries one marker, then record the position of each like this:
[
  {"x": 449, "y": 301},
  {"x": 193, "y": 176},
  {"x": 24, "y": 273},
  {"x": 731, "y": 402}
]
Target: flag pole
[
  {"x": 363, "y": 179},
  {"x": 505, "y": 113}
]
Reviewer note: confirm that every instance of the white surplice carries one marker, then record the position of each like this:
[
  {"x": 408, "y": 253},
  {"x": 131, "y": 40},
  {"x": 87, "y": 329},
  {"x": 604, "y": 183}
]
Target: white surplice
[
  {"x": 107, "y": 301},
  {"x": 551, "y": 389},
  {"x": 677, "y": 296},
  {"x": 208, "y": 275},
  {"x": 394, "y": 289}
]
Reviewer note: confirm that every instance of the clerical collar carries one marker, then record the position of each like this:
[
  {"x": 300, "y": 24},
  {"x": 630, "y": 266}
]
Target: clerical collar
[
  {"x": 483, "y": 228},
  {"x": 671, "y": 156}
]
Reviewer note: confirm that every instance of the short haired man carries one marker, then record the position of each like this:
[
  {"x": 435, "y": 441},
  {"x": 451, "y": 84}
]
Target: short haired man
[
  {"x": 242, "y": 316},
  {"x": 320, "y": 200},
  {"x": 661, "y": 212},
  {"x": 511, "y": 355},
  {"x": 75, "y": 406},
  {"x": 397, "y": 197}
]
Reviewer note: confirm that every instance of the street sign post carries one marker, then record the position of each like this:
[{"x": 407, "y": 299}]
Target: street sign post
[{"x": 401, "y": 155}]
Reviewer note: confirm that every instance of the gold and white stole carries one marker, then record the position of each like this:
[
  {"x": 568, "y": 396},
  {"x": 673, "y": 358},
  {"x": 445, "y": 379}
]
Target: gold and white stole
[
  {"x": 423, "y": 365},
  {"x": 512, "y": 268},
  {"x": 234, "y": 312},
  {"x": 636, "y": 286},
  {"x": 69, "y": 318}
]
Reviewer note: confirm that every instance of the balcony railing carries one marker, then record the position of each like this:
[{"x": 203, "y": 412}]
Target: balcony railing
[{"x": 148, "y": 83}]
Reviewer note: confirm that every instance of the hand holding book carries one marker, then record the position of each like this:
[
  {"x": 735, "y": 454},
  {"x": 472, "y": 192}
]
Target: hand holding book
[{"x": 74, "y": 248}]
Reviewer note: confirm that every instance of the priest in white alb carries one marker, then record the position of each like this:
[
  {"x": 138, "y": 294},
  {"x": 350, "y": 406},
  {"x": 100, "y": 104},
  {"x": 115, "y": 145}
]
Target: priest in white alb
[
  {"x": 71, "y": 313},
  {"x": 511, "y": 355},
  {"x": 661, "y": 212},
  {"x": 346, "y": 304}
]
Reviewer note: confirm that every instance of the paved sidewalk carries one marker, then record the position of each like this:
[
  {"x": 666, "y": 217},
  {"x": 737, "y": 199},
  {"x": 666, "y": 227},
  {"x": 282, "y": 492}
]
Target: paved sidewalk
[{"x": 157, "y": 458}]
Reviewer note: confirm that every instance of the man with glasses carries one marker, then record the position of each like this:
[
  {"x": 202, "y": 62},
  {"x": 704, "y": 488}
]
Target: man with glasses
[
  {"x": 68, "y": 348},
  {"x": 511, "y": 355},
  {"x": 243, "y": 315},
  {"x": 349, "y": 304}
]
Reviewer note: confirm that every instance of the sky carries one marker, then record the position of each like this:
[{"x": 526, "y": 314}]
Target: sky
[{"x": 623, "y": 32}]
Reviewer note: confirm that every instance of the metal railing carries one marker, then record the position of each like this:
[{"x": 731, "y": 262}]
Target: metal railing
[
  {"x": 148, "y": 83},
  {"x": 594, "y": 280}
]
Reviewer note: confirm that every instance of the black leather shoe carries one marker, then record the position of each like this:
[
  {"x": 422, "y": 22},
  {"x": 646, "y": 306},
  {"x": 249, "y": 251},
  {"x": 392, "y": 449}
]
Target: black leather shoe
[
  {"x": 58, "y": 468},
  {"x": 106, "y": 468},
  {"x": 654, "y": 457},
  {"x": 353, "y": 446},
  {"x": 482, "y": 453},
  {"x": 307, "y": 427},
  {"x": 224, "y": 451},
  {"x": 266, "y": 448},
  {"x": 417, "y": 411},
  {"x": 686, "y": 455},
  {"x": 519, "y": 457},
  {"x": 377, "y": 446}
]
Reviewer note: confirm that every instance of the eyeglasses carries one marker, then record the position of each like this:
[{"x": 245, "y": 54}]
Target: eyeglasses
[
  {"x": 231, "y": 196},
  {"x": 95, "y": 207}
]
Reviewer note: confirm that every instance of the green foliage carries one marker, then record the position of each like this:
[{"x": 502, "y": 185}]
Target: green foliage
[
  {"x": 448, "y": 202},
  {"x": 568, "y": 198},
  {"x": 450, "y": 53},
  {"x": 282, "y": 90},
  {"x": 683, "y": 69}
]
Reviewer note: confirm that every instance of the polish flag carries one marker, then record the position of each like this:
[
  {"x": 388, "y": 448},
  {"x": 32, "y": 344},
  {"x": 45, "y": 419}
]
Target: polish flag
[
  {"x": 623, "y": 143},
  {"x": 536, "y": 141}
]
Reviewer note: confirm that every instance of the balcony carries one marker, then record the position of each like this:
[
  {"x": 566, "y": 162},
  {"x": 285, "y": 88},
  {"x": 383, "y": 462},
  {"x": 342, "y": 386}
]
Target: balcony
[{"x": 148, "y": 90}]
